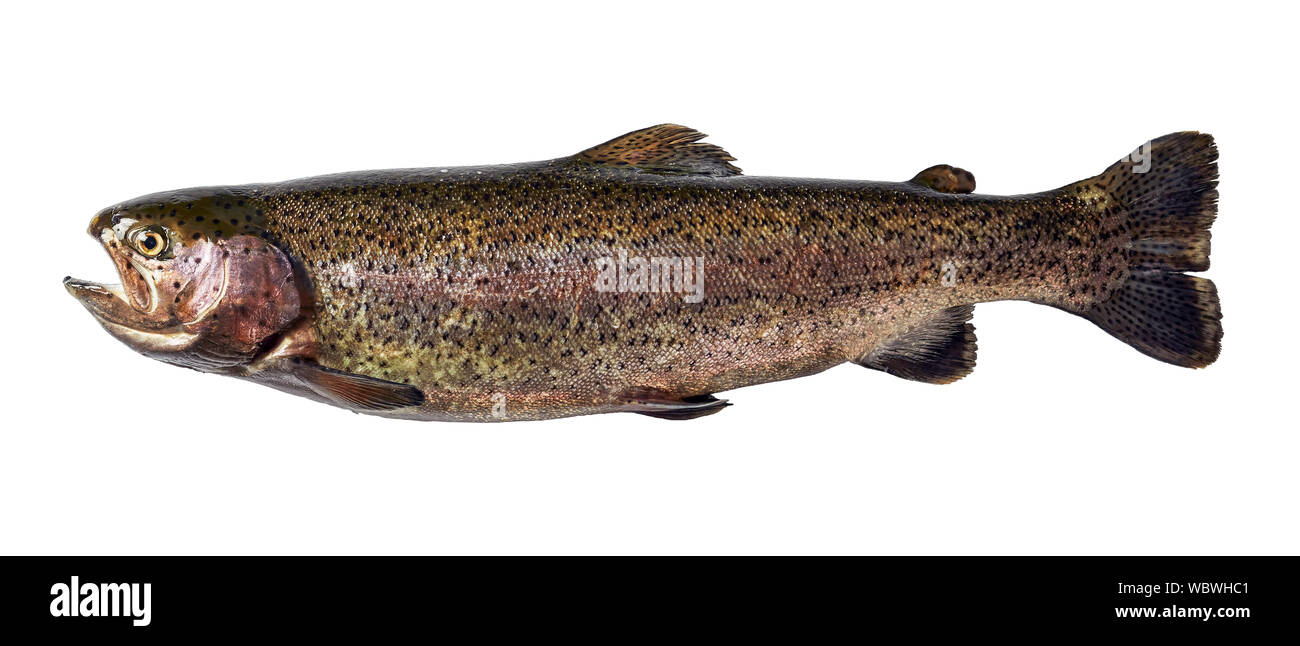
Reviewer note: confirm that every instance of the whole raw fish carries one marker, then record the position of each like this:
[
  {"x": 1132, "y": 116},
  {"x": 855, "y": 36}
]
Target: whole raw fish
[{"x": 641, "y": 275}]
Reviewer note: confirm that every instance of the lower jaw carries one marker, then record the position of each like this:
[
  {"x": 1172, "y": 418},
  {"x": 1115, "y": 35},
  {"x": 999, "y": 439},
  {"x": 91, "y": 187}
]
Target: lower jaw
[{"x": 146, "y": 341}]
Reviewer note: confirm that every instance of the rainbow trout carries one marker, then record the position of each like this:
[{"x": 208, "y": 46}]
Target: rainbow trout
[{"x": 642, "y": 275}]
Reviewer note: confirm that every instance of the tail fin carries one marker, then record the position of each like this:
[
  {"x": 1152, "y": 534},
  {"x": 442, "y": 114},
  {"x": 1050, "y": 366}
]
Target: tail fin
[{"x": 1166, "y": 190}]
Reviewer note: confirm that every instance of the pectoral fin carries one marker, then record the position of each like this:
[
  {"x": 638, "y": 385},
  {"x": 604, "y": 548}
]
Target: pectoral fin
[
  {"x": 946, "y": 179},
  {"x": 675, "y": 408},
  {"x": 354, "y": 391},
  {"x": 939, "y": 350}
]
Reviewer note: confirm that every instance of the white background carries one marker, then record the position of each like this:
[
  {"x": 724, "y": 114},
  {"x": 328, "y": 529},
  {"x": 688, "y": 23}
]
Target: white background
[{"x": 1063, "y": 441}]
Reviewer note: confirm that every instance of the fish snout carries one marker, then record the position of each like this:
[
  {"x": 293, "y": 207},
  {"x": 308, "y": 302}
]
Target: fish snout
[{"x": 105, "y": 219}]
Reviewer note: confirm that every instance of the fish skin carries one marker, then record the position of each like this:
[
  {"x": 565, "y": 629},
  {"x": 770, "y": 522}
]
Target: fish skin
[{"x": 476, "y": 285}]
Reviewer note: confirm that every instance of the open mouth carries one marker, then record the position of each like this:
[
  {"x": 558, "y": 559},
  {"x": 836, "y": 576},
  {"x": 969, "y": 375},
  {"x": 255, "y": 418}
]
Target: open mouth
[
  {"x": 127, "y": 303},
  {"x": 111, "y": 305}
]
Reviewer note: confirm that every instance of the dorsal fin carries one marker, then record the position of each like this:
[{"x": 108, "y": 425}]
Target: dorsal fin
[
  {"x": 666, "y": 149},
  {"x": 939, "y": 350}
]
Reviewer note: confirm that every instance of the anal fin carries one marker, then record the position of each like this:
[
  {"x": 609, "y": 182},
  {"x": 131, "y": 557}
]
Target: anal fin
[
  {"x": 354, "y": 391},
  {"x": 939, "y": 350},
  {"x": 675, "y": 409}
]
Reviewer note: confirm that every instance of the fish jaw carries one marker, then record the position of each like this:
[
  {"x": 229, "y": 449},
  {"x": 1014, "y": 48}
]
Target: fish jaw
[
  {"x": 140, "y": 311},
  {"x": 130, "y": 310},
  {"x": 110, "y": 306}
]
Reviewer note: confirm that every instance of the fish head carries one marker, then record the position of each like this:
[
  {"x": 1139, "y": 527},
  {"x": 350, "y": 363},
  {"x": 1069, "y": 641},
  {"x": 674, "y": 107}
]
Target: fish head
[{"x": 200, "y": 284}]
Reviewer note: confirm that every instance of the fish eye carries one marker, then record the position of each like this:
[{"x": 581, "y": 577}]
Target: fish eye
[{"x": 151, "y": 242}]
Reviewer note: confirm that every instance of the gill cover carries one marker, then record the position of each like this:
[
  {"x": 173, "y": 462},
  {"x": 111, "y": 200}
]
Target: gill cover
[{"x": 256, "y": 298}]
